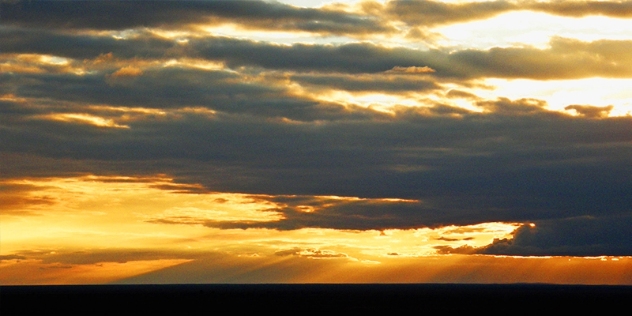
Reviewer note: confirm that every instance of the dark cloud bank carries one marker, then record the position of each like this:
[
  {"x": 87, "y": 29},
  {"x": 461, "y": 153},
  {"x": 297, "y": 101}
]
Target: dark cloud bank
[
  {"x": 514, "y": 162},
  {"x": 564, "y": 59}
]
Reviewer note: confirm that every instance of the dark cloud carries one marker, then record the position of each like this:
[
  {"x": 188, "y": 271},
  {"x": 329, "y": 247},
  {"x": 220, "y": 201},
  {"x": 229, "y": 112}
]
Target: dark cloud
[
  {"x": 461, "y": 94},
  {"x": 564, "y": 59},
  {"x": 14, "y": 198},
  {"x": 164, "y": 88},
  {"x": 83, "y": 46},
  {"x": 353, "y": 215},
  {"x": 348, "y": 58},
  {"x": 368, "y": 83},
  {"x": 429, "y": 13},
  {"x": 520, "y": 163},
  {"x": 323, "y": 212},
  {"x": 577, "y": 236},
  {"x": 465, "y": 249},
  {"x": 618, "y": 9},
  {"x": 448, "y": 239},
  {"x": 11, "y": 257},
  {"x": 121, "y": 15}
]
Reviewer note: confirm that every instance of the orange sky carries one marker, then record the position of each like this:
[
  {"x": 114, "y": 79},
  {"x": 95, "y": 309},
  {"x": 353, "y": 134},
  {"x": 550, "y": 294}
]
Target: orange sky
[{"x": 107, "y": 229}]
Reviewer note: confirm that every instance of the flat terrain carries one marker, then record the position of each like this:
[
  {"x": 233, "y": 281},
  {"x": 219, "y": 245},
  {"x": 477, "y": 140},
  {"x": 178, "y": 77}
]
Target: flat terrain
[{"x": 419, "y": 298}]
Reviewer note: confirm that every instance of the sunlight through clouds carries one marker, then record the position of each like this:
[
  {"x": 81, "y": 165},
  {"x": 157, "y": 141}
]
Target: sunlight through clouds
[{"x": 315, "y": 141}]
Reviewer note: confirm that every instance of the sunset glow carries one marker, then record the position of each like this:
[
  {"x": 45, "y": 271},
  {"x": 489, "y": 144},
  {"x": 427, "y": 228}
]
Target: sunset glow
[{"x": 315, "y": 142}]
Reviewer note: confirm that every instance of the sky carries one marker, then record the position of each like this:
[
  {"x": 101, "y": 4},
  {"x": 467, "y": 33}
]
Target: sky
[{"x": 315, "y": 142}]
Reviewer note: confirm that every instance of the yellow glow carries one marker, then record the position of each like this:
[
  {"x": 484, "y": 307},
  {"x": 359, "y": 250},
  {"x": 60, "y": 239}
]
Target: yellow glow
[
  {"x": 129, "y": 211},
  {"x": 236, "y": 30},
  {"x": 533, "y": 29},
  {"x": 54, "y": 60},
  {"x": 9, "y": 67},
  {"x": 196, "y": 63},
  {"x": 128, "y": 71},
  {"x": 138, "y": 110},
  {"x": 377, "y": 101},
  {"x": 281, "y": 37},
  {"x": 31, "y": 272},
  {"x": 93, "y": 229},
  {"x": 11, "y": 97},
  {"x": 180, "y": 36},
  {"x": 37, "y": 63},
  {"x": 561, "y": 93},
  {"x": 83, "y": 119}
]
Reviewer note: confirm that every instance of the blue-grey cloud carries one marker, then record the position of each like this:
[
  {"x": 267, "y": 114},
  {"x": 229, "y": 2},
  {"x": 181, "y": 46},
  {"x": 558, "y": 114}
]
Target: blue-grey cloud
[
  {"x": 577, "y": 236},
  {"x": 464, "y": 171},
  {"x": 121, "y": 15},
  {"x": 602, "y": 58}
]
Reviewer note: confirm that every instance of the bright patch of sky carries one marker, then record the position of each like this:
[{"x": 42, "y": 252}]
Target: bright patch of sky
[
  {"x": 562, "y": 93},
  {"x": 533, "y": 29}
]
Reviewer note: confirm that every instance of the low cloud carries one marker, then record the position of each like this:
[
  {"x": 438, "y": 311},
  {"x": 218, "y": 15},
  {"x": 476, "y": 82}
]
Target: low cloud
[
  {"x": 129, "y": 71},
  {"x": 311, "y": 253},
  {"x": 11, "y": 257},
  {"x": 578, "y": 236},
  {"x": 591, "y": 111},
  {"x": 446, "y": 250},
  {"x": 412, "y": 70}
]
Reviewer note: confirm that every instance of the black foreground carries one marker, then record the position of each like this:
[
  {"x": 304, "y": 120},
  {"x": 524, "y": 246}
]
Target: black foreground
[{"x": 209, "y": 299}]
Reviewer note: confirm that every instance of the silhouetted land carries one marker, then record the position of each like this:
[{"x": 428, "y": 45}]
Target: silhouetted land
[{"x": 417, "y": 298}]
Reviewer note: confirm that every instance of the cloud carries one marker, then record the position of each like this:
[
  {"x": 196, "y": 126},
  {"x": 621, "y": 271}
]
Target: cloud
[
  {"x": 576, "y": 236},
  {"x": 429, "y": 13},
  {"x": 369, "y": 18},
  {"x": 517, "y": 162},
  {"x": 445, "y": 250},
  {"x": 591, "y": 111},
  {"x": 412, "y": 70},
  {"x": 299, "y": 212},
  {"x": 311, "y": 253},
  {"x": 82, "y": 46},
  {"x": 618, "y": 9},
  {"x": 432, "y": 13},
  {"x": 121, "y": 15},
  {"x": 461, "y": 94},
  {"x": 11, "y": 257},
  {"x": 15, "y": 197},
  {"x": 129, "y": 71},
  {"x": 601, "y": 58},
  {"x": 367, "y": 83}
]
